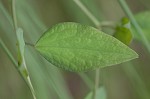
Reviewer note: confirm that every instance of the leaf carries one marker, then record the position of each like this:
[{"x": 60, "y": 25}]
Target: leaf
[
  {"x": 123, "y": 32},
  {"x": 77, "y": 47},
  {"x": 100, "y": 94},
  {"x": 143, "y": 19}
]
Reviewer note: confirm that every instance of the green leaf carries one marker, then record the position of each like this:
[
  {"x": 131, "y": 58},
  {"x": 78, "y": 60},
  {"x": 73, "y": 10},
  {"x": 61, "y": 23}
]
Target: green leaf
[
  {"x": 100, "y": 94},
  {"x": 143, "y": 20},
  {"x": 77, "y": 47}
]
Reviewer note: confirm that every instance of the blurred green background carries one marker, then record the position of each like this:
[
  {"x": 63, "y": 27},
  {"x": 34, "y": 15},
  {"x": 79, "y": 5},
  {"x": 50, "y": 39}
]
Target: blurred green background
[{"x": 124, "y": 81}]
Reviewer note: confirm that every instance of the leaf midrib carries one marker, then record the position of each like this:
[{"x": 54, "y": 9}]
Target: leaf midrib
[{"x": 100, "y": 51}]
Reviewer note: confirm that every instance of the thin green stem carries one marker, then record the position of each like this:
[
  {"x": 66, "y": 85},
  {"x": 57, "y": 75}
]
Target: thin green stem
[
  {"x": 29, "y": 44},
  {"x": 96, "y": 83},
  {"x": 14, "y": 14},
  {"x": 135, "y": 24},
  {"x": 88, "y": 13},
  {"x": 8, "y": 53},
  {"x": 23, "y": 65},
  {"x": 109, "y": 24}
]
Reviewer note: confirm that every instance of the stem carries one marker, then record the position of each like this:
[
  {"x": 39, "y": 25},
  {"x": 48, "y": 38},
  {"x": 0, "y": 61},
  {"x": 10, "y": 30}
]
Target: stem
[
  {"x": 23, "y": 65},
  {"x": 110, "y": 24},
  {"x": 134, "y": 22},
  {"x": 31, "y": 87},
  {"x": 15, "y": 64},
  {"x": 8, "y": 53},
  {"x": 12, "y": 60},
  {"x": 29, "y": 44},
  {"x": 88, "y": 13},
  {"x": 14, "y": 14},
  {"x": 96, "y": 83}
]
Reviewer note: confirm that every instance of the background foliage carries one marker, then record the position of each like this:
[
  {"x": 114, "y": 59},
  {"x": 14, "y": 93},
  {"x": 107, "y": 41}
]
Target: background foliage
[{"x": 124, "y": 81}]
